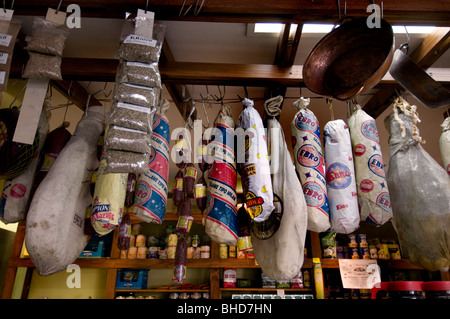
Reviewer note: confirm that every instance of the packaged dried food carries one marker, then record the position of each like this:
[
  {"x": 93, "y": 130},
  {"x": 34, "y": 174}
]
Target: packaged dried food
[
  {"x": 126, "y": 162},
  {"x": 131, "y": 116},
  {"x": 47, "y": 37},
  {"x": 43, "y": 66},
  {"x": 126, "y": 139},
  {"x": 146, "y": 74},
  {"x": 136, "y": 94},
  {"x": 140, "y": 49}
]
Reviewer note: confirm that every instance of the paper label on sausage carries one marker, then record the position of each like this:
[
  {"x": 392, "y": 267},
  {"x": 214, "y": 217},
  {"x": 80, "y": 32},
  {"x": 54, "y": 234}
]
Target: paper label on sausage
[
  {"x": 310, "y": 167},
  {"x": 255, "y": 171},
  {"x": 373, "y": 193},
  {"x": 152, "y": 189},
  {"x": 221, "y": 221}
]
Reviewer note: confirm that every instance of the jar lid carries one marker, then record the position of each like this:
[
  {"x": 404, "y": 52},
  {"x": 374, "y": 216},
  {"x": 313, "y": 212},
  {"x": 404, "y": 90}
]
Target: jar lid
[
  {"x": 405, "y": 286},
  {"x": 436, "y": 286}
]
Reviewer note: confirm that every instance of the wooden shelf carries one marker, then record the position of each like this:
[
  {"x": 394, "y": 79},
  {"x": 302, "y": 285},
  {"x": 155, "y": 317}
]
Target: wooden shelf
[
  {"x": 267, "y": 289},
  {"x": 388, "y": 264},
  {"x": 118, "y": 290},
  {"x": 117, "y": 263}
]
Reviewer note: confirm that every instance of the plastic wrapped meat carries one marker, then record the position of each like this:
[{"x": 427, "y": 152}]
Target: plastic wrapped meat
[{"x": 420, "y": 193}]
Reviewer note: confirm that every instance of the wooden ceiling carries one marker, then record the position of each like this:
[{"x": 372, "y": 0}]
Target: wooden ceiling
[
  {"x": 434, "y": 12},
  {"x": 278, "y": 76}
]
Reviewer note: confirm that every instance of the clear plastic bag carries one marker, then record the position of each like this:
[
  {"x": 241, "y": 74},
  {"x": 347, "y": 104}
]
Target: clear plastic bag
[
  {"x": 47, "y": 37},
  {"x": 136, "y": 94},
  {"x": 125, "y": 139},
  {"x": 137, "y": 48},
  {"x": 131, "y": 116},
  {"x": 43, "y": 66},
  {"x": 126, "y": 162},
  {"x": 146, "y": 74}
]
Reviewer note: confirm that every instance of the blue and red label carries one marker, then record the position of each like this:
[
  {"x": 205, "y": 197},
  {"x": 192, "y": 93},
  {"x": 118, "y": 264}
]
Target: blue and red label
[
  {"x": 316, "y": 196},
  {"x": 307, "y": 121},
  {"x": 151, "y": 192},
  {"x": 376, "y": 165},
  {"x": 338, "y": 176},
  {"x": 369, "y": 130},
  {"x": 309, "y": 156}
]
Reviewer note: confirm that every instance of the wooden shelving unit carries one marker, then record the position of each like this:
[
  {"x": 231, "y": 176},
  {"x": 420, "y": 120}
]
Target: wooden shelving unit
[{"x": 214, "y": 264}]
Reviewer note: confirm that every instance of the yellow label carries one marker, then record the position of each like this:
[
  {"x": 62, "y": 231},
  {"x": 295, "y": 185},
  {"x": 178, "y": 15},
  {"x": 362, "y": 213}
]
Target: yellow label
[
  {"x": 244, "y": 243},
  {"x": 178, "y": 183},
  {"x": 191, "y": 172},
  {"x": 49, "y": 159},
  {"x": 200, "y": 191}
]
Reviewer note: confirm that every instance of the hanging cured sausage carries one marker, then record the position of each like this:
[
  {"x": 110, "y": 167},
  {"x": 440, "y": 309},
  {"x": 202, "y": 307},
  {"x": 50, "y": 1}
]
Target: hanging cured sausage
[
  {"x": 221, "y": 221},
  {"x": 373, "y": 192},
  {"x": 150, "y": 200},
  {"x": 340, "y": 177},
  {"x": 310, "y": 166}
]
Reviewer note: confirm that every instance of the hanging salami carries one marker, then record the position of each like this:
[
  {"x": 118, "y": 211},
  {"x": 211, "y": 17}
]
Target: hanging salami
[
  {"x": 254, "y": 166},
  {"x": 150, "y": 199},
  {"x": 340, "y": 177},
  {"x": 309, "y": 164},
  {"x": 372, "y": 188},
  {"x": 221, "y": 221}
]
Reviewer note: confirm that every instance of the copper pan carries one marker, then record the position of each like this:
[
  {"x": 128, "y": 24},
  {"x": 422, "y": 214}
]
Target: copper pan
[{"x": 352, "y": 58}]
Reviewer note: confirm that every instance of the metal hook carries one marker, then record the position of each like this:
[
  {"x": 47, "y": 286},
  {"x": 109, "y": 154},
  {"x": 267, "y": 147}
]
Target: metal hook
[
  {"x": 197, "y": 11},
  {"x": 4, "y": 6},
  {"x": 182, "y": 7},
  {"x": 146, "y": 6},
  {"x": 59, "y": 6},
  {"x": 221, "y": 95},
  {"x": 204, "y": 110},
  {"x": 12, "y": 4},
  {"x": 20, "y": 92},
  {"x": 104, "y": 88},
  {"x": 68, "y": 90}
]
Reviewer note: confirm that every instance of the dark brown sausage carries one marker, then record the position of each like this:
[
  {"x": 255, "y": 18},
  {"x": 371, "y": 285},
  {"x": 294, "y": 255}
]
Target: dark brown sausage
[
  {"x": 131, "y": 185},
  {"x": 190, "y": 174},
  {"x": 123, "y": 242},
  {"x": 179, "y": 272},
  {"x": 200, "y": 194},
  {"x": 178, "y": 189}
]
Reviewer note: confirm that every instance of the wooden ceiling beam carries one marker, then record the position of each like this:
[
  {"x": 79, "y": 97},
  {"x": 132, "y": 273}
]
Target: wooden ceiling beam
[
  {"x": 426, "y": 53},
  {"x": 189, "y": 73},
  {"x": 432, "y": 12}
]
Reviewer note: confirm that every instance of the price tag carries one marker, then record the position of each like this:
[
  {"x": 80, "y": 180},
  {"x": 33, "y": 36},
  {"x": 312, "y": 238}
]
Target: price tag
[
  {"x": 359, "y": 273},
  {"x": 57, "y": 18},
  {"x": 6, "y": 14}
]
